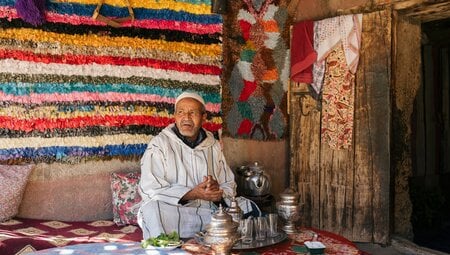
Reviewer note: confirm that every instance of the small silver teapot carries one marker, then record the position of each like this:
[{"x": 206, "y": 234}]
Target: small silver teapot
[
  {"x": 221, "y": 233},
  {"x": 234, "y": 210},
  {"x": 253, "y": 181}
]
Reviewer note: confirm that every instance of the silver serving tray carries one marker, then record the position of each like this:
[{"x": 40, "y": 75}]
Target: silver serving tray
[
  {"x": 254, "y": 244},
  {"x": 259, "y": 244}
]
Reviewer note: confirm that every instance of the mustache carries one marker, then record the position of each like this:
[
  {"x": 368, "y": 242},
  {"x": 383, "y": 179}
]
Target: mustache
[{"x": 187, "y": 122}]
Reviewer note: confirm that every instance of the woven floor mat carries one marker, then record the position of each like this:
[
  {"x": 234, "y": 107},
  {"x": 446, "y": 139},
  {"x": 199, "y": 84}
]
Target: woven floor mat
[{"x": 19, "y": 236}]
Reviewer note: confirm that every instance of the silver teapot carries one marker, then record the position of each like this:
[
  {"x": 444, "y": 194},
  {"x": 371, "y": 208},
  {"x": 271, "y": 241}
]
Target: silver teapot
[
  {"x": 234, "y": 210},
  {"x": 252, "y": 181},
  {"x": 221, "y": 233}
]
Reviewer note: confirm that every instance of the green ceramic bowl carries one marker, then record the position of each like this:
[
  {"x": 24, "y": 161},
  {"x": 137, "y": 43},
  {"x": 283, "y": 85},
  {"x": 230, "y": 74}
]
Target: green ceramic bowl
[{"x": 315, "y": 247}]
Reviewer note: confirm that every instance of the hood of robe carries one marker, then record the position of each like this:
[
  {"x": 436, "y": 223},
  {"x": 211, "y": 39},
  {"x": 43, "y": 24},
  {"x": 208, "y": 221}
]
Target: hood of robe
[{"x": 208, "y": 142}]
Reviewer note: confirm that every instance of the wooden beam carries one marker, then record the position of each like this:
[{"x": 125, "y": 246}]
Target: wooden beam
[
  {"x": 407, "y": 69},
  {"x": 321, "y": 9},
  {"x": 305, "y": 152},
  {"x": 372, "y": 131},
  {"x": 423, "y": 10}
]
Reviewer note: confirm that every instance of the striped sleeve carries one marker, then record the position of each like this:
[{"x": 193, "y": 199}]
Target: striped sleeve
[{"x": 153, "y": 184}]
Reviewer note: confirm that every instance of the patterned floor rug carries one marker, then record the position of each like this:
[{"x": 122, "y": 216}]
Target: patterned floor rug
[{"x": 20, "y": 236}]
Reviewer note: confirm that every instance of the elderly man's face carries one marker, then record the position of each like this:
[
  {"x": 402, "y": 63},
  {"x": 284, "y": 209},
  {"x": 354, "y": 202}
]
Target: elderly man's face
[{"x": 189, "y": 117}]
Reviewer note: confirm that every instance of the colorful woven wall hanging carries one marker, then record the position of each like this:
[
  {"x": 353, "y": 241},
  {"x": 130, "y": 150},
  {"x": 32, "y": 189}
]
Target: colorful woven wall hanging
[
  {"x": 255, "y": 95},
  {"x": 74, "y": 88}
]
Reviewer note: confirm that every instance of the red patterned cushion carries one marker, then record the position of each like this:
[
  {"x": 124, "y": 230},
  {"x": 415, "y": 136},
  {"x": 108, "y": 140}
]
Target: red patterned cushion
[
  {"x": 13, "y": 179},
  {"x": 125, "y": 196},
  {"x": 20, "y": 235}
]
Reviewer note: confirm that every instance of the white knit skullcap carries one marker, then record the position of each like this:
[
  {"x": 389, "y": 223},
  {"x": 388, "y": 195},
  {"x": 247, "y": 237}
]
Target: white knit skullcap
[{"x": 192, "y": 95}]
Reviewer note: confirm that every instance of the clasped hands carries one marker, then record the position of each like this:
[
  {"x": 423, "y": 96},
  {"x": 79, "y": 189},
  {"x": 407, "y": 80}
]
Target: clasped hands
[{"x": 209, "y": 190}]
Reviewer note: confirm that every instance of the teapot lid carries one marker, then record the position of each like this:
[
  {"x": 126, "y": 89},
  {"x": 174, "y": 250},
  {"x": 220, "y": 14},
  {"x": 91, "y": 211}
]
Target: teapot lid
[
  {"x": 221, "y": 222},
  {"x": 289, "y": 191},
  {"x": 256, "y": 167},
  {"x": 242, "y": 169},
  {"x": 289, "y": 196},
  {"x": 220, "y": 218},
  {"x": 234, "y": 207}
]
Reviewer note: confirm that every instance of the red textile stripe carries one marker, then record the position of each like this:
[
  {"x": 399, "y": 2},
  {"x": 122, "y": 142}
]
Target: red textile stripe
[
  {"x": 186, "y": 26},
  {"x": 212, "y": 126},
  {"x": 29, "y": 125},
  {"x": 86, "y": 59}
]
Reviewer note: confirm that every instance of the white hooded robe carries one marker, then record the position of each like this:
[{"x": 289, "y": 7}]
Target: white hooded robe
[{"x": 169, "y": 169}]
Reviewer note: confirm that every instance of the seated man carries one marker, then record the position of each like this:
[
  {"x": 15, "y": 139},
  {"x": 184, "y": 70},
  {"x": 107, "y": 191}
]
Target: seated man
[{"x": 184, "y": 174}]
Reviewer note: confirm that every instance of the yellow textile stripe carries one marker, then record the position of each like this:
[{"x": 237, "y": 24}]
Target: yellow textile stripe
[
  {"x": 99, "y": 41},
  {"x": 85, "y": 141},
  {"x": 56, "y": 112},
  {"x": 216, "y": 120},
  {"x": 56, "y": 48},
  {"x": 152, "y": 4}
]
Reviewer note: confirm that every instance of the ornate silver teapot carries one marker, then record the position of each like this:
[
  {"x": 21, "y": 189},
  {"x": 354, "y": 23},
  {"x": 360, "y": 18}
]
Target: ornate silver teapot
[
  {"x": 221, "y": 233},
  {"x": 252, "y": 181}
]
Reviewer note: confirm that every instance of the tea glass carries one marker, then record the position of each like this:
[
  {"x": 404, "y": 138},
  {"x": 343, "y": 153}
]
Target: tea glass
[
  {"x": 272, "y": 230},
  {"x": 261, "y": 228},
  {"x": 246, "y": 228}
]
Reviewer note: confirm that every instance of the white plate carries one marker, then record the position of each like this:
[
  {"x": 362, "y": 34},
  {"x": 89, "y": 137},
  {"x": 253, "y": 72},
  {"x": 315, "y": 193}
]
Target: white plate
[{"x": 166, "y": 248}]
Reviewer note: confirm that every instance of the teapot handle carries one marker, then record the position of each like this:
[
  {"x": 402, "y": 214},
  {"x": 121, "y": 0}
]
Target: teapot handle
[{"x": 258, "y": 183}]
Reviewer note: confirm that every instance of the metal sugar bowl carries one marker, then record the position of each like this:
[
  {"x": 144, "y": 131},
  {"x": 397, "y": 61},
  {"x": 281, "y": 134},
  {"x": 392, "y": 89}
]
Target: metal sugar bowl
[
  {"x": 221, "y": 233},
  {"x": 288, "y": 209}
]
